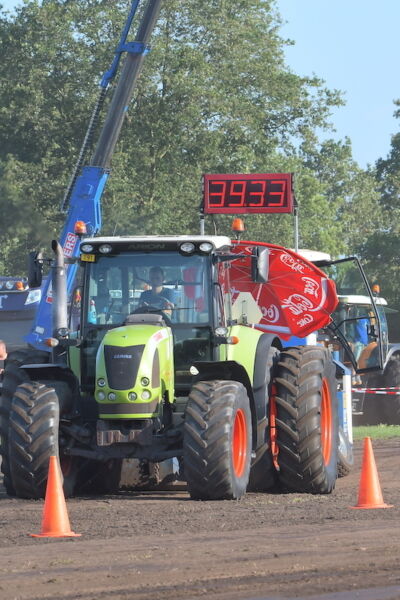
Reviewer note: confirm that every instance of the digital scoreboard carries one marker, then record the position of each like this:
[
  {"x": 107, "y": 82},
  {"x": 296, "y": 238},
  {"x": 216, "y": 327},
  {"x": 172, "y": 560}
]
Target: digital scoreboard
[{"x": 259, "y": 193}]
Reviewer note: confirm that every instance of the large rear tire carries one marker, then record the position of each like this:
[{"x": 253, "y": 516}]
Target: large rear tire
[
  {"x": 33, "y": 438},
  {"x": 307, "y": 420},
  {"x": 12, "y": 378},
  {"x": 217, "y": 440}
]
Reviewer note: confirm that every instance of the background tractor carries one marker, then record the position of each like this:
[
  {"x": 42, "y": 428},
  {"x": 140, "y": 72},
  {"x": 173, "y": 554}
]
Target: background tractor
[
  {"x": 376, "y": 395},
  {"x": 375, "y": 392}
]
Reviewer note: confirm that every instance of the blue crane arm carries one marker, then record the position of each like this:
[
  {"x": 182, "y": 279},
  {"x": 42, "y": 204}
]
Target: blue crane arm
[
  {"x": 83, "y": 196},
  {"x": 85, "y": 207},
  {"x": 110, "y": 74}
]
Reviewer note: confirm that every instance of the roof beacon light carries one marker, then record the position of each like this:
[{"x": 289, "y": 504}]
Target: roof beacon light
[
  {"x": 80, "y": 228},
  {"x": 238, "y": 225},
  {"x": 376, "y": 289}
]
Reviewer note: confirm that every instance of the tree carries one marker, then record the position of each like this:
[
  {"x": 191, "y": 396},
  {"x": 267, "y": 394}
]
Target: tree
[
  {"x": 381, "y": 249},
  {"x": 215, "y": 96}
]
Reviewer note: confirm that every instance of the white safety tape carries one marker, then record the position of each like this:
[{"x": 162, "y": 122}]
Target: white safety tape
[{"x": 385, "y": 391}]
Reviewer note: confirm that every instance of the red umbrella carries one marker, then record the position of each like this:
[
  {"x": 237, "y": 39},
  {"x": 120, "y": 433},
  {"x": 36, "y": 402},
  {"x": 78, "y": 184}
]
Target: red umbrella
[{"x": 297, "y": 299}]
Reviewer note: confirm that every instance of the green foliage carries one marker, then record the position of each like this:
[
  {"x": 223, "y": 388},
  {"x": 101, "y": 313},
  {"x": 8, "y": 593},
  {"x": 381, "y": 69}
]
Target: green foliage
[
  {"x": 380, "y": 249},
  {"x": 215, "y": 96},
  {"x": 22, "y": 226},
  {"x": 376, "y": 432}
]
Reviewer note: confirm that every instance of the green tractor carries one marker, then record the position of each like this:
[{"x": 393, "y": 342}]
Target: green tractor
[{"x": 156, "y": 358}]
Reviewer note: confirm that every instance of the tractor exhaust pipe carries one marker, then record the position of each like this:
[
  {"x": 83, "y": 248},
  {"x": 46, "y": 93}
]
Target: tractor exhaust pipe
[{"x": 59, "y": 293}]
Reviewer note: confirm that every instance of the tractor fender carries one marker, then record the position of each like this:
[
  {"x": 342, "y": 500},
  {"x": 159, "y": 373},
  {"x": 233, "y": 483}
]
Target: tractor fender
[
  {"x": 228, "y": 370},
  {"x": 61, "y": 378}
]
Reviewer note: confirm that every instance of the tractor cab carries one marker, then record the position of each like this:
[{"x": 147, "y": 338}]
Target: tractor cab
[{"x": 168, "y": 281}]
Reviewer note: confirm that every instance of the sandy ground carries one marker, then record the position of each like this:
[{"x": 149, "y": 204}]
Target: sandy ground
[{"x": 165, "y": 546}]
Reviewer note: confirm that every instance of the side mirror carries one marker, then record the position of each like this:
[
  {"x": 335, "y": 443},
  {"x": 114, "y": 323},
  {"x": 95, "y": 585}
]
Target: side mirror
[
  {"x": 35, "y": 269},
  {"x": 260, "y": 265}
]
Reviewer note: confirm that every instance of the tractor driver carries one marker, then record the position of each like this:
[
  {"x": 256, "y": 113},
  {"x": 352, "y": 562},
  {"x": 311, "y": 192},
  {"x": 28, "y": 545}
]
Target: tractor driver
[{"x": 158, "y": 296}]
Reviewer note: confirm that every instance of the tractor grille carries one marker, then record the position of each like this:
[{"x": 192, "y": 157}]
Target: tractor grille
[{"x": 122, "y": 364}]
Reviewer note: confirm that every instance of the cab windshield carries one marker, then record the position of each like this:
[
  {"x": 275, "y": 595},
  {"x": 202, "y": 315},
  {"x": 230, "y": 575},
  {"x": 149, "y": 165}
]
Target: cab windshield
[{"x": 160, "y": 282}]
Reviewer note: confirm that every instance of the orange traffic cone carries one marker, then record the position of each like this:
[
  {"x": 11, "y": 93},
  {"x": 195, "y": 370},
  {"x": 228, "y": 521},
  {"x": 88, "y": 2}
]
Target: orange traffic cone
[
  {"x": 55, "y": 521},
  {"x": 370, "y": 494}
]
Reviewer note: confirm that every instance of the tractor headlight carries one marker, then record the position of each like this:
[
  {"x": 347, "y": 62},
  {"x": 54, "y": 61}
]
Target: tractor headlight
[
  {"x": 206, "y": 247},
  {"x": 132, "y": 396},
  {"x": 146, "y": 395},
  {"x": 112, "y": 396},
  {"x": 101, "y": 382},
  {"x": 221, "y": 331},
  {"x": 105, "y": 248},
  {"x": 101, "y": 396},
  {"x": 187, "y": 248},
  {"x": 145, "y": 381},
  {"x": 87, "y": 248}
]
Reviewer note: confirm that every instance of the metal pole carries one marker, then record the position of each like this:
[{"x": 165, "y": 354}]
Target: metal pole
[{"x": 296, "y": 228}]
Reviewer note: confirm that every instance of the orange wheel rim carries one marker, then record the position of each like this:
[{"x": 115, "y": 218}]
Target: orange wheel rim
[
  {"x": 239, "y": 443},
  {"x": 326, "y": 422},
  {"x": 272, "y": 428}
]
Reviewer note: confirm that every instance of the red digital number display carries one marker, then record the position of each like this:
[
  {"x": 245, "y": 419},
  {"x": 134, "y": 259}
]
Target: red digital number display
[{"x": 260, "y": 193}]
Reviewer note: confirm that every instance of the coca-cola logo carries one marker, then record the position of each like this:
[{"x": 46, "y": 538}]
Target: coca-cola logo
[
  {"x": 305, "y": 320},
  {"x": 311, "y": 287},
  {"x": 297, "y": 304},
  {"x": 270, "y": 313},
  {"x": 292, "y": 263}
]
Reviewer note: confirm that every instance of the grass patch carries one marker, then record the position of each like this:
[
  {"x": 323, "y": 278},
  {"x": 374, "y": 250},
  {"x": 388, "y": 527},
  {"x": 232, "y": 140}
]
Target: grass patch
[{"x": 376, "y": 432}]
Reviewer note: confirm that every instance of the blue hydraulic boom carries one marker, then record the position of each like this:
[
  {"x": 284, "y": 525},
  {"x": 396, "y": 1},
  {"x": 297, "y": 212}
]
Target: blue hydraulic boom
[{"x": 82, "y": 200}]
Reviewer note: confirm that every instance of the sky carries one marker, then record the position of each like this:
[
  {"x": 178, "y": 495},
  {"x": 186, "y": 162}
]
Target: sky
[{"x": 354, "y": 46}]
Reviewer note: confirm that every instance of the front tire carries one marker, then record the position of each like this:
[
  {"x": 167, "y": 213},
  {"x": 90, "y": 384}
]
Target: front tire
[
  {"x": 13, "y": 376},
  {"x": 217, "y": 440},
  {"x": 33, "y": 438},
  {"x": 307, "y": 420}
]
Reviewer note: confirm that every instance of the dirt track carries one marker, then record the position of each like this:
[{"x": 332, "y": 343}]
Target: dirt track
[{"x": 165, "y": 546}]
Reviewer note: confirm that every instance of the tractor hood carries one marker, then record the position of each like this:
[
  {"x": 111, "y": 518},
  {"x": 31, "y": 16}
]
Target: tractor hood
[{"x": 134, "y": 368}]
